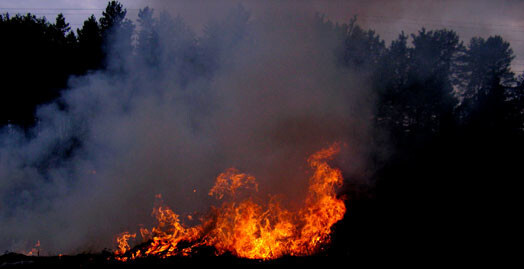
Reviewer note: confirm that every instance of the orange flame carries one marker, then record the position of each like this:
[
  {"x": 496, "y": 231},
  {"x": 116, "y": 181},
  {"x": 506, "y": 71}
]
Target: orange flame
[
  {"x": 248, "y": 229},
  {"x": 123, "y": 245},
  {"x": 35, "y": 250}
]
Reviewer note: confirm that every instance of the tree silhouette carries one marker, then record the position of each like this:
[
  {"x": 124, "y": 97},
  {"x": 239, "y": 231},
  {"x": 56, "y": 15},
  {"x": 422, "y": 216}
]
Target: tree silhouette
[
  {"x": 390, "y": 82},
  {"x": 116, "y": 31},
  {"x": 487, "y": 78},
  {"x": 148, "y": 40},
  {"x": 415, "y": 85},
  {"x": 516, "y": 108},
  {"x": 90, "y": 45},
  {"x": 40, "y": 57},
  {"x": 363, "y": 49}
]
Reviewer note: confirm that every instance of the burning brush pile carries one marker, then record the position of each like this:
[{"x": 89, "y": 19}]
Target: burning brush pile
[{"x": 244, "y": 227}]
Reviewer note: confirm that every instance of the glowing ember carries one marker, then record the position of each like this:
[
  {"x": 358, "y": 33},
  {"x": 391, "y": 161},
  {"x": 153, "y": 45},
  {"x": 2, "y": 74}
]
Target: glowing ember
[
  {"x": 35, "y": 250},
  {"x": 248, "y": 229}
]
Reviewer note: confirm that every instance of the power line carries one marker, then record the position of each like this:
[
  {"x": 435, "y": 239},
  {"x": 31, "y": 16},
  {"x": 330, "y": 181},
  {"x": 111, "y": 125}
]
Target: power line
[
  {"x": 404, "y": 21},
  {"x": 37, "y": 8},
  {"x": 372, "y": 17},
  {"x": 375, "y": 18}
]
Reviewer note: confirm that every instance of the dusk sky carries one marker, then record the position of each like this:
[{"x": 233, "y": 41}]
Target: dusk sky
[{"x": 388, "y": 17}]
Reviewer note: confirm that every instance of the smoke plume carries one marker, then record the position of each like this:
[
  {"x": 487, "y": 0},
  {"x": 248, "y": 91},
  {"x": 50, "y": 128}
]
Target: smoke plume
[{"x": 271, "y": 93}]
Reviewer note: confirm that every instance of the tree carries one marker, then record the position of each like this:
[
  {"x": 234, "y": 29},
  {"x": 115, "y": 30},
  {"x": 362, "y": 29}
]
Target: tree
[
  {"x": 117, "y": 32},
  {"x": 61, "y": 27},
  {"x": 147, "y": 44},
  {"x": 39, "y": 58},
  {"x": 415, "y": 85},
  {"x": 486, "y": 82},
  {"x": 516, "y": 107},
  {"x": 90, "y": 45},
  {"x": 432, "y": 78},
  {"x": 390, "y": 80},
  {"x": 363, "y": 49},
  {"x": 113, "y": 16}
]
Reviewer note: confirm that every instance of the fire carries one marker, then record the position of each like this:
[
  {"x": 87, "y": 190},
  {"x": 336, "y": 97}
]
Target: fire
[
  {"x": 230, "y": 182},
  {"x": 246, "y": 228},
  {"x": 123, "y": 245},
  {"x": 35, "y": 250}
]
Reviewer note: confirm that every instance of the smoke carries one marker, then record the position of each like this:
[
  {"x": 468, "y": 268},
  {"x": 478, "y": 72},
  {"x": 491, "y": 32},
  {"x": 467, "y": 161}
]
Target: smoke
[
  {"x": 469, "y": 18},
  {"x": 259, "y": 94}
]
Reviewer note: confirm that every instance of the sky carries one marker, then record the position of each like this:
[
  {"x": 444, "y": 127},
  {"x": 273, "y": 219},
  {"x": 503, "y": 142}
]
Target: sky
[{"x": 388, "y": 17}]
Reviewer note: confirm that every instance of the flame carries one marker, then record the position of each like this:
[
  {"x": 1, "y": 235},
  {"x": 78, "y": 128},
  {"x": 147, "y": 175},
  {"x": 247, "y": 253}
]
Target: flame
[
  {"x": 230, "y": 182},
  {"x": 35, "y": 250},
  {"x": 123, "y": 245},
  {"x": 246, "y": 228}
]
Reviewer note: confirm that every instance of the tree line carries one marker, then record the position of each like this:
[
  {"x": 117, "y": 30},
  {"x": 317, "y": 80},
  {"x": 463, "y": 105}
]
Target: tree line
[
  {"x": 40, "y": 56},
  {"x": 427, "y": 85},
  {"x": 449, "y": 115},
  {"x": 427, "y": 82}
]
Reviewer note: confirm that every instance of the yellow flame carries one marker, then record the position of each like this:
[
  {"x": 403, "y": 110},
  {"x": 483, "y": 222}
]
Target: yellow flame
[{"x": 246, "y": 228}]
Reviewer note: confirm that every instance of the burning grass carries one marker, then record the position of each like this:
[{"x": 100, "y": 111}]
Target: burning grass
[{"x": 243, "y": 227}]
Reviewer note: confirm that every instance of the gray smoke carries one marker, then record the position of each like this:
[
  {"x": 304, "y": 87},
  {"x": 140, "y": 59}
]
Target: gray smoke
[{"x": 91, "y": 167}]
